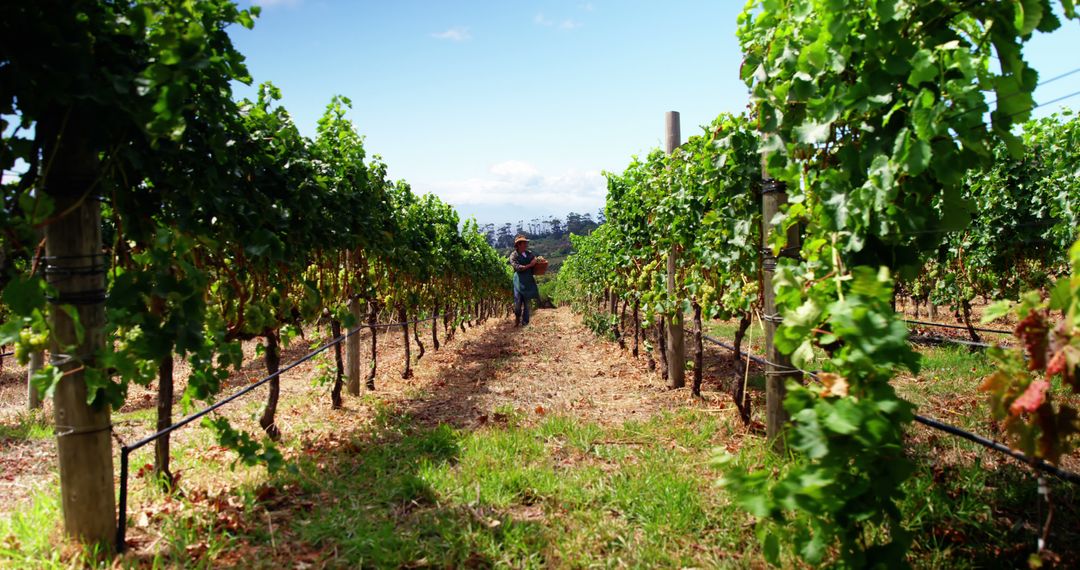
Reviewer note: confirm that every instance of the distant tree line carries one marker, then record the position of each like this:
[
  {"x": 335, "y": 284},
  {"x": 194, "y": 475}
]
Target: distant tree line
[{"x": 502, "y": 236}]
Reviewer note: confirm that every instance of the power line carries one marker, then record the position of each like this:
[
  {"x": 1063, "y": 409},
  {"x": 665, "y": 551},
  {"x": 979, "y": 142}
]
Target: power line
[
  {"x": 1050, "y": 102},
  {"x": 1038, "y": 85},
  {"x": 1056, "y": 77}
]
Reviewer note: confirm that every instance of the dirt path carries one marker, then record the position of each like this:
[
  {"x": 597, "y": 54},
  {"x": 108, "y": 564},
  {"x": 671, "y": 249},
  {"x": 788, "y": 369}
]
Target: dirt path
[{"x": 553, "y": 366}]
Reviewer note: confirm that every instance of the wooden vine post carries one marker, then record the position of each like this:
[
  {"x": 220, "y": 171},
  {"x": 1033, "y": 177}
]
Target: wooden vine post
[
  {"x": 773, "y": 196},
  {"x": 676, "y": 350},
  {"x": 352, "y": 350},
  {"x": 164, "y": 419},
  {"x": 76, "y": 266},
  {"x": 37, "y": 360}
]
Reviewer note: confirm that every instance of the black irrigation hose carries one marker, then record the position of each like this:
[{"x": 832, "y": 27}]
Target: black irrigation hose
[
  {"x": 756, "y": 359},
  {"x": 990, "y": 444},
  {"x": 957, "y": 327},
  {"x": 7, "y": 354},
  {"x": 949, "y": 429},
  {"x": 125, "y": 450},
  {"x": 924, "y": 339}
]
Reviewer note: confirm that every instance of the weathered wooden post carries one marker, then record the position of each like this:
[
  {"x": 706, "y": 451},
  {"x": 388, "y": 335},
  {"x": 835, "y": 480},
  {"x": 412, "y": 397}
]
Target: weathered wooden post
[
  {"x": 773, "y": 196},
  {"x": 164, "y": 419},
  {"x": 37, "y": 360},
  {"x": 76, "y": 265},
  {"x": 352, "y": 350},
  {"x": 33, "y": 398},
  {"x": 676, "y": 356}
]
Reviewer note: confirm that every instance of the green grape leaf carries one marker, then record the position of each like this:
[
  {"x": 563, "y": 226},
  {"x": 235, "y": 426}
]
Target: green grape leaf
[
  {"x": 45, "y": 380},
  {"x": 813, "y": 133},
  {"x": 844, "y": 417},
  {"x": 924, "y": 68},
  {"x": 1028, "y": 15},
  {"x": 23, "y": 295},
  {"x": 996, "y": 310}
]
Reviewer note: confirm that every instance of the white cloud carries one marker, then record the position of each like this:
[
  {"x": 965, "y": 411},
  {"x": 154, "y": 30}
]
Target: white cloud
[
  {"x": 566, "y": 25},
  {"x": 455, "y": 34},
  {"x": 519, "y": 184},
  {"x": 515, "y": 169},
  {"x": 587, "y": 6}
]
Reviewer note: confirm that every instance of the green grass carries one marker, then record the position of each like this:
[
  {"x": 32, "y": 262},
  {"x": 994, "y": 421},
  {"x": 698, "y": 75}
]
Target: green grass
[
  {"x": 558, "y": 493},
  {"x": 952, "y": 369},
  {"x": 562, "y": 493},
  {"x": 947, "y": 386},
  {"x": 30, "y": 425},
  {"x": 964, "y": 513},
  {"x": 725, "y": 330},
  {"x": 26, "y": 537}
]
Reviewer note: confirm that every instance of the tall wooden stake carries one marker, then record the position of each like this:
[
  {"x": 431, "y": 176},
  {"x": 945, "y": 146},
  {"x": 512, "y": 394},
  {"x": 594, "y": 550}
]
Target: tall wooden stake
[
  {"x": 73, "y": 247},
  {"x": 37, "y": 360},
  {"x": 403, "y": 318},
  {"x": 164, "y": 419},
  {"x": 774, "y": 195},
  {"x": 676, "y": 357},
  {"x": 372, "y": 319},
  {"x": 352, "y": 351},
  {"x": 699, "y": 352}
]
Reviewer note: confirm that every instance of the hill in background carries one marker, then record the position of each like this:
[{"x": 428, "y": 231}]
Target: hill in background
[{"x": 549, "y": 237}]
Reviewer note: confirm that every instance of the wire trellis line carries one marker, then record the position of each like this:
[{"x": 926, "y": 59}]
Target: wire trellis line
[
  {"x": 126, "y": 450},
  {"x": 1038, "y": 464}
]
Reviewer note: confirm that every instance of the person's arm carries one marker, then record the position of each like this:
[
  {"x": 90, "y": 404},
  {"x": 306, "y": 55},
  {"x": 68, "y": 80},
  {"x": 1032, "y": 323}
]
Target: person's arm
[{"x": 518, "y": 268}]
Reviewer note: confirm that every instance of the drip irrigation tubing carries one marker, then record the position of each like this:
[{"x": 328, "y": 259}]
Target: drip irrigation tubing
[
  {"x": 746, "y": 355},
  {"x": 956, "y": 327},
  {"x": 7, "y": 354},
  {"x": 924, "y": 339},
  {"x": 941, "y": 426},
  {"x": 991, "y": 444},
  {"x": 126, "y": 450}
]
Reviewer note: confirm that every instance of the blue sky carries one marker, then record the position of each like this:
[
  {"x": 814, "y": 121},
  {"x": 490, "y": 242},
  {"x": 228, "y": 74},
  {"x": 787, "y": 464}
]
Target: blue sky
[{"x": 511, "y": 110}]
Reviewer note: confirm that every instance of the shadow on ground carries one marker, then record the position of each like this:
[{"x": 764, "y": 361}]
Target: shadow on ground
[
  {"x": 989, "y": 516},
  {"x": 365, "y": 498},
  {"x": 359, "y": 499},
  {"x": 452, "y": 399}
]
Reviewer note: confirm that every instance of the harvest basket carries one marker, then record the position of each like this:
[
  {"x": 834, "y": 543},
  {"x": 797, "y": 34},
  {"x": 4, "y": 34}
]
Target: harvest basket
[{"x": 541, "y": 266}]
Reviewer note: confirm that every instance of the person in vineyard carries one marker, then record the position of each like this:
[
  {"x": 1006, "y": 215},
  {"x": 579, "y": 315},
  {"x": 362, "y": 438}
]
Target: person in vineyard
[{"x": 523, "y": 261}]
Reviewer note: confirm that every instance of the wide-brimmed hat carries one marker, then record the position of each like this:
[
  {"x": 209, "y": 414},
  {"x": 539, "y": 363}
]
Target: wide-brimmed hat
[{"x": 520, "y": 239}]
